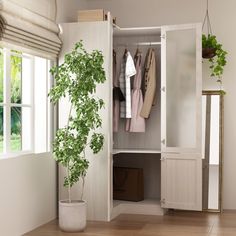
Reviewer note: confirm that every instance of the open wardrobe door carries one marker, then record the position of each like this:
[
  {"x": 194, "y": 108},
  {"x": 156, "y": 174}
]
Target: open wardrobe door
[{"x": 181, "y": 86}]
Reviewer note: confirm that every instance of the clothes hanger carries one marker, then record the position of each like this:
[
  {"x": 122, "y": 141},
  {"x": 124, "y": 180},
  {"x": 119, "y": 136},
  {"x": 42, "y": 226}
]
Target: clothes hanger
[
  {"x": 126, "y": 50},
  {"x": 138, "y": 49}
]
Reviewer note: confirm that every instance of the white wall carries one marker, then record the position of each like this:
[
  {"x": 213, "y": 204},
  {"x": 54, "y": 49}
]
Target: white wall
[
  {"x": 67, "y": 9},
  {"x": 28, "y": 193},
  {"x": 161, "y": 12}
]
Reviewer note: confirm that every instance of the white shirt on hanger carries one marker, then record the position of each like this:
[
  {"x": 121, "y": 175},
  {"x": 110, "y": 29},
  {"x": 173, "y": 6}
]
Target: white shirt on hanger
[{"x": 129, "y": 72}]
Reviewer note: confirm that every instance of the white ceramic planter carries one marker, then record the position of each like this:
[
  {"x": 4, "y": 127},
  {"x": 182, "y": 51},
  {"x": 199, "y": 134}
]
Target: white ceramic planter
[{"x": 72, "y": 216}]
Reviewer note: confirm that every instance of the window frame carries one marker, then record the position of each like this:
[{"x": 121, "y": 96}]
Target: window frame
[{"x": 7, "y": 105}]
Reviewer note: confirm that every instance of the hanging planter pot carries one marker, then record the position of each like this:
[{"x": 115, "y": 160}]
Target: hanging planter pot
[
  {"x": 208, "y": 41},
  {"x": 209, "y": 46},
  {"x": 208, "y": 52},
  {"x": 212, "y": 50}
]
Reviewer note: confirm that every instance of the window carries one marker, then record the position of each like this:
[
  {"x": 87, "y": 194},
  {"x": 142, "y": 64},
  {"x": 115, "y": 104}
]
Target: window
[{"x": 25, "y": 116}]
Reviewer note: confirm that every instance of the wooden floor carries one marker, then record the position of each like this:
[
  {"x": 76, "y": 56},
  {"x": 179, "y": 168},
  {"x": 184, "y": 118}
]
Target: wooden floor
[{"x": 172, "y": 224}]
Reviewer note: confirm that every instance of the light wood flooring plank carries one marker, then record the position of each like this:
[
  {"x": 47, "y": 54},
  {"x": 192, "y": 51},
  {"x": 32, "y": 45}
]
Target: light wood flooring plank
[{"x": 175, "y": 223}]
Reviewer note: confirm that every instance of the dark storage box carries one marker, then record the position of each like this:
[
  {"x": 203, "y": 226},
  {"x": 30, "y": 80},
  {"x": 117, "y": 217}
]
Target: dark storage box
[{"x": 128, "y": 184}]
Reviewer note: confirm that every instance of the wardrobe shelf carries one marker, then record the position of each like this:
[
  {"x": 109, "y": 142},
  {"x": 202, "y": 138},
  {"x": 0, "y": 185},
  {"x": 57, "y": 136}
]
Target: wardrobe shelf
[
  {"x": 118, "y": 31},
  {"x": 117, "y": 151},
  {"x": 145, "y": 207}
]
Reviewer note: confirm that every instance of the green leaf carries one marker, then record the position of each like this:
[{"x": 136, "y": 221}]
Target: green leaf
[{"x": 77, "y": 77}]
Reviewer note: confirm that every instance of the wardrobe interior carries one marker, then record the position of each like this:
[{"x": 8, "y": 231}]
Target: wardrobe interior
[{"x": 140, "y": 149}]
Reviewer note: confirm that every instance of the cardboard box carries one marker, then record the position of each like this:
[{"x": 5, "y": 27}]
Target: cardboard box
[{"x": 93, "y": 15}]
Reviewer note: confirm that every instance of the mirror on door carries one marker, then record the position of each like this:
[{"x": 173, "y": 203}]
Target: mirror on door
[{"x": 212, "y": 114}]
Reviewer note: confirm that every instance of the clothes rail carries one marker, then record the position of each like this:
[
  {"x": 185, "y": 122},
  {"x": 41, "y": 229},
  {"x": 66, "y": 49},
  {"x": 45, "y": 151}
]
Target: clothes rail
[
  {"x": 136, "y": 28},
  {"x": 138, "y": 44}
]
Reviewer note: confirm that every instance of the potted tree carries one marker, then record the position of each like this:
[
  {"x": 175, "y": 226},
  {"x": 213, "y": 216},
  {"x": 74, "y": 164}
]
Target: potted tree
[{"x": 77, "y": 78}]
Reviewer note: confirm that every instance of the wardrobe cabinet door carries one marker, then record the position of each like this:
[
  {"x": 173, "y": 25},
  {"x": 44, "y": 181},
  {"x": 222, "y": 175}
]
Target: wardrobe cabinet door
[
  {"x": 181, "y": 181},
  {"x": 181, "y": 89},
  {"x": 95, "y": 35}
]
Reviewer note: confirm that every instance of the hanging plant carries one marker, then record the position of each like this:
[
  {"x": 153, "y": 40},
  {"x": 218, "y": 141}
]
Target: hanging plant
[
  {"x": 213, "y": 51},
  {"x": 208, "y": 46}
]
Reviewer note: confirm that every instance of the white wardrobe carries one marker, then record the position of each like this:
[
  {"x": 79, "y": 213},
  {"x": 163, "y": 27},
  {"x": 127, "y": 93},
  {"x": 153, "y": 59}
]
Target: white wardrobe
[{"x": 170, "y": 150}]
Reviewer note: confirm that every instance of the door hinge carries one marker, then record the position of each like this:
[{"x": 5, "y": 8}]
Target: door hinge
[
  {"x": 163, "y": 158},
  {"x": 163, "y": 201},
  {"x": 163, "y": 89},
  {"x": 163, "y": 36}
]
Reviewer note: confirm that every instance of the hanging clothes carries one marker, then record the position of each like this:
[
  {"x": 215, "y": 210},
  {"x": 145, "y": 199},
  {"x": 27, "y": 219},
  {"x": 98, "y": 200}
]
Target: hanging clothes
[
  {"x": 150, "y": 83},
  {"x": 117, "y": 95},
  {"x": 127, "y": 70},
  {"x": 137, "y": 123},
  {"x": 122, "y": 85}
]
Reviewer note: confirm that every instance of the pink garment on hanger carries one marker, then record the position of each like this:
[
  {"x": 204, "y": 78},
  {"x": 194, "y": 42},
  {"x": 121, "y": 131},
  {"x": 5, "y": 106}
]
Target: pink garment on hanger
[{"x": 136, "y": 123}]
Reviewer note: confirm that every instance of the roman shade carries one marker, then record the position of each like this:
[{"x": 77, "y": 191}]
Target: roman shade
[{"x": 31, "y": 25}]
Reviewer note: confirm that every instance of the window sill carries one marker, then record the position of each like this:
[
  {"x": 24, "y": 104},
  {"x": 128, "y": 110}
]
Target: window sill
[{"x": 20, "y": 154}]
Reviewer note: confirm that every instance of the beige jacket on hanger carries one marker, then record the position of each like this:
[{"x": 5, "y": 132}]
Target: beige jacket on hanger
[{"x": 150, "y": 80}]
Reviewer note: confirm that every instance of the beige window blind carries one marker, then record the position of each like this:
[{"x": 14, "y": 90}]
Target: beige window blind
[{"x": 30, "y": 25}]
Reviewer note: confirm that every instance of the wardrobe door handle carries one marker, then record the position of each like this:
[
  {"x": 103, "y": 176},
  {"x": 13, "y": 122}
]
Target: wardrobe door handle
[{"x": 163, "y": 141}]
